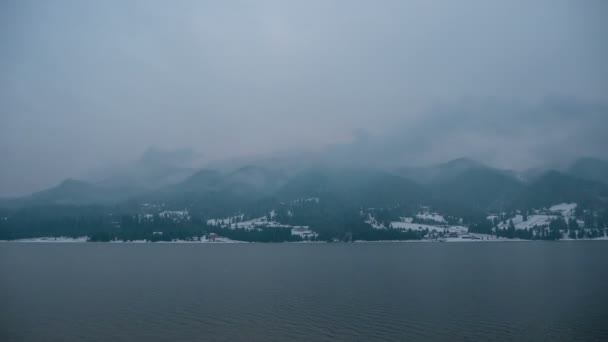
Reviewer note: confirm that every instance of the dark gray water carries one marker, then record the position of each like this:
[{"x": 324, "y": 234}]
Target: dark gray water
[{"x": 350, "y": 292}]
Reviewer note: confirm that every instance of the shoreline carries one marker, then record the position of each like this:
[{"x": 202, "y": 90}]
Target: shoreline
[{"x": 60, "y": 240}]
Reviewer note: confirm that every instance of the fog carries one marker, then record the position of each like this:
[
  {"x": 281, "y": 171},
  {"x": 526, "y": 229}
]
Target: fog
[{"x": 85, "y": 85}]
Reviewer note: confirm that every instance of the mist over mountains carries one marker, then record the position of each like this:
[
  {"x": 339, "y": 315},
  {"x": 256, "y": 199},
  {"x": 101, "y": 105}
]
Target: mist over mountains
[
  {"x": 164, "y": 177},
  {"x": 550, "y": 134},
  {"x": 303, "y": 197}
]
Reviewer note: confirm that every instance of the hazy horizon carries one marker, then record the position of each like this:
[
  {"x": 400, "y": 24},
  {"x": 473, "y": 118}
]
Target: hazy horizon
[{"x": 88, "y": 85}]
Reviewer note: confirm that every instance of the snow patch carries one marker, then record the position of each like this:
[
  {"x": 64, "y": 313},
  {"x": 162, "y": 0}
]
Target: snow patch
[
  {"x": 374, "y": 223},
  {"x": 420, "y": 227},
  {"x": 259, "y": 223},
  {"x": 61, "y": 239},
  {"x": 304, "y": 232},
  {"x": 431, "y": 217},
  {"x": 565, "y": 209},
  {"x": 176, "y": 215}
]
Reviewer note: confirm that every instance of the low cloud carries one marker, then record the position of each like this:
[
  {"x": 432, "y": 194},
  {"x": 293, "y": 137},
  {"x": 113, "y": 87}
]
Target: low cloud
[
  {"x": 86, "y": 84},
  {"x": 502, "y": 133}
]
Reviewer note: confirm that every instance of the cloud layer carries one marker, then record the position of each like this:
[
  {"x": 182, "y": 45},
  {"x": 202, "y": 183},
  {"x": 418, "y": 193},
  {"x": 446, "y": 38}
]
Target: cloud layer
[{"x": 84, "y": 84}]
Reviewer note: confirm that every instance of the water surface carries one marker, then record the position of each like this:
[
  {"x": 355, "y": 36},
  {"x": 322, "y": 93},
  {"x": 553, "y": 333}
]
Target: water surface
[{"x": 536, "y": 291}]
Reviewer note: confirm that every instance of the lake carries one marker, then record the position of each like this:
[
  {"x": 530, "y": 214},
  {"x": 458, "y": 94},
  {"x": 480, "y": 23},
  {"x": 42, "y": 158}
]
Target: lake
[{"x": 534, "y": 291}]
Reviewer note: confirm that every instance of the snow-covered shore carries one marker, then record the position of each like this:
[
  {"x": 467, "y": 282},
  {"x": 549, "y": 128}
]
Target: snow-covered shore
[
  {"x": 226, "y": 241},
  {"x": 60, "y": 239},
  {"x": 86, "y": 239}
]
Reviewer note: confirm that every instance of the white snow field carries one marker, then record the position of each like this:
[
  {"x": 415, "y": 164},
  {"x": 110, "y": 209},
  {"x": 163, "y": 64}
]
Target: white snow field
[
  {"x": 261, "y": 222},
  {"x": 540, "y": 218}
]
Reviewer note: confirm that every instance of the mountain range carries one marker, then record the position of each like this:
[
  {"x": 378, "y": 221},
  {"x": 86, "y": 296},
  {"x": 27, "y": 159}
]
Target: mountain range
[{"x": 462, "y": 182}]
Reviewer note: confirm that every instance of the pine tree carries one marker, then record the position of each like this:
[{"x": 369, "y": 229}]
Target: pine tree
[{"x": 572, "y": 224}]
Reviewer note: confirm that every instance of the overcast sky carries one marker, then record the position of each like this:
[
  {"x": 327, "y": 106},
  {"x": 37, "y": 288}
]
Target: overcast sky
[{"x": 85, "y": 84}]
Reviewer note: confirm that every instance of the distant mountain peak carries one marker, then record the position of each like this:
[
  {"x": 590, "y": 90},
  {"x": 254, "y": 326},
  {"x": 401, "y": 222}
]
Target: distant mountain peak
[
  {"x": 250, "y": 169},
  {"x": 590, "y": 161},
  {"x": 174, "y": 158},
  {"x": 463, "y": 162},
  {"x": 202, "y": 174},
  {"x": 72, "y": 182},
  {"x": 590, "y": 169}
]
